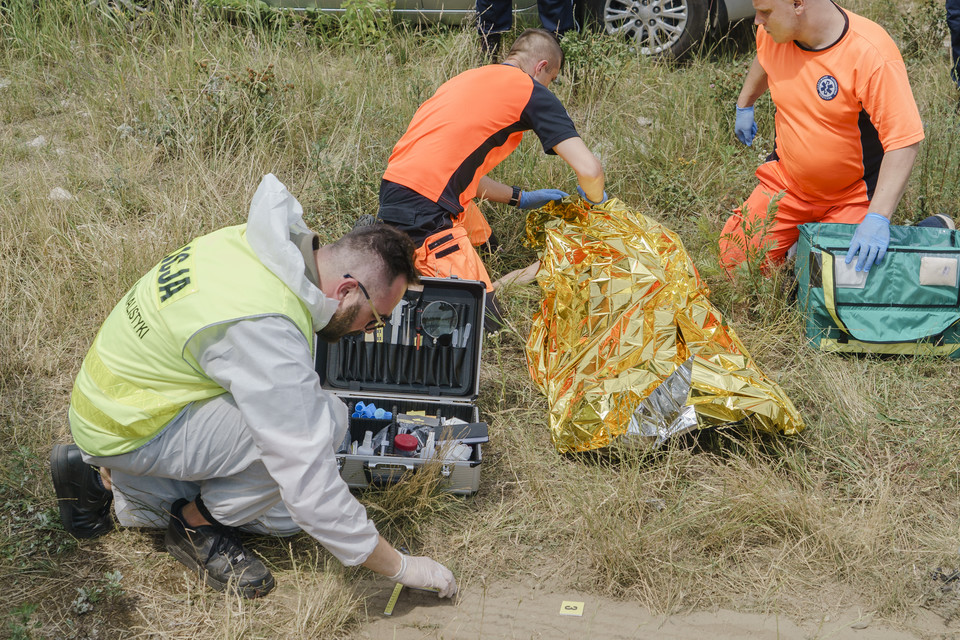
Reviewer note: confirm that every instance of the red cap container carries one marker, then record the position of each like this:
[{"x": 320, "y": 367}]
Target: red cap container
[{"x": 405, "y": 444}]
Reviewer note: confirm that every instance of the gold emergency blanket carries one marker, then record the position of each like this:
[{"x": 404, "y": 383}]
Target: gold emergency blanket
[{"x": 626, "y": 341}]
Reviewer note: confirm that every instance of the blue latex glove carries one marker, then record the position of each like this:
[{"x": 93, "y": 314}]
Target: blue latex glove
[
  {"x": 584, "y": 196},
  {"x": 870, "y": 240},
  {"x": 746, "y": 126},
  {"x": 540, "y": 197}
]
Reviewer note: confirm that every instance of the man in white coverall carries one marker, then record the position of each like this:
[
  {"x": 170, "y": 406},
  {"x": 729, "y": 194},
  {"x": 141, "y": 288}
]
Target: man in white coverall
[{"x": 200, "y": 403}]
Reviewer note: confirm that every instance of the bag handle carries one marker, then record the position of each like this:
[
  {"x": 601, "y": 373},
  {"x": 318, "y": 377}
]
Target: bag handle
[{"x": 830, "y": 290}]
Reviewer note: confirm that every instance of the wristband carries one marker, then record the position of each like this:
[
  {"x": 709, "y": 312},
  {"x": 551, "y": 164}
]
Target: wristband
[
  {"x": 515, "y": 197},
  {"x": 403, "y": 567}
]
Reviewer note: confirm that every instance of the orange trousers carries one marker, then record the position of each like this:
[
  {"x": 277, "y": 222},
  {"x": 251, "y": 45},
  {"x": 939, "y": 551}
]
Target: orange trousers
[{"x": 749, "y": 230}]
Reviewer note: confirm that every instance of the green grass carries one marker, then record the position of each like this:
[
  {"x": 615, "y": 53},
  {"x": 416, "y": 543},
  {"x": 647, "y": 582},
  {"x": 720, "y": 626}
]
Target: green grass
[{"x": 160, "y": 126}]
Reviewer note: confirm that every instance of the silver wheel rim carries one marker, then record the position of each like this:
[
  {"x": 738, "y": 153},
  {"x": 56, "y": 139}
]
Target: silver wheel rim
[{"x": 655, "y": 25}]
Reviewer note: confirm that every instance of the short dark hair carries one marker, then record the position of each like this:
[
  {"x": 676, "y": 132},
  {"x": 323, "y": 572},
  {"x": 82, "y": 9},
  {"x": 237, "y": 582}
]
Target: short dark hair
[
  {"x": 540, "y": 44},
  {"x": 394, "y": 248}
]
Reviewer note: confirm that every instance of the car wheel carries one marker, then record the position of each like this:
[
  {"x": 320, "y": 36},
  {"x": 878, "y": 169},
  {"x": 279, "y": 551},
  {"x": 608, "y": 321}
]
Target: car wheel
[{"x": 665, "y": 28}]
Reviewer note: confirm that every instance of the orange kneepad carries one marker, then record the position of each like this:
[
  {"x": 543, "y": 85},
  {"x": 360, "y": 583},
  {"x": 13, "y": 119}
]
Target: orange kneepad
[{"x": 473, "y": 220}]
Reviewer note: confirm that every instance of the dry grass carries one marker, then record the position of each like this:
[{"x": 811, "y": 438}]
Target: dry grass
[{"x": 156, "y": 144}]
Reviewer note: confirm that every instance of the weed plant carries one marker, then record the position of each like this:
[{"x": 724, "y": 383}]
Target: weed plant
[{"x": 157, "y": 125}]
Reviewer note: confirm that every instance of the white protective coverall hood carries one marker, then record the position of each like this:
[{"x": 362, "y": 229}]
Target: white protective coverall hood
[{"x": 275, "y": 218}]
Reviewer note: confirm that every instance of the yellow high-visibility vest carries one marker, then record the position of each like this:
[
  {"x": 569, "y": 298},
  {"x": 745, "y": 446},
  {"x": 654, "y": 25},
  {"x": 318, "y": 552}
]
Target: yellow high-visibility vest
[{"x": 138, "y": 375}]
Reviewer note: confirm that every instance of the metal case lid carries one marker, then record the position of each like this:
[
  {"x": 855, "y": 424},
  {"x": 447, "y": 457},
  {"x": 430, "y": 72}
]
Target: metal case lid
[{"x": 410, "y": 358}]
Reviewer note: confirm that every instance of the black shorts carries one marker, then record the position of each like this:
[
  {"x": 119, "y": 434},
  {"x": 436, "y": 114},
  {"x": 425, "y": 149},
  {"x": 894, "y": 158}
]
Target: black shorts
[{"x": 414, "y": 214}]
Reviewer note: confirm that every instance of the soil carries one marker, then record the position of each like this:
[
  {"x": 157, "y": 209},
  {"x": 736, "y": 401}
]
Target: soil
[{"x": 509, "y": 611}]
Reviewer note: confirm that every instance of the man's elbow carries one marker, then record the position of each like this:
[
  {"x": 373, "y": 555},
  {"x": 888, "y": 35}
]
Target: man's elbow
[{"x": 590, "y": 171}]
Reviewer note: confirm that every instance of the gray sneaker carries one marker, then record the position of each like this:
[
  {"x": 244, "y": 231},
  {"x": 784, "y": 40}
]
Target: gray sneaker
[{"x": 215, "y": 553}]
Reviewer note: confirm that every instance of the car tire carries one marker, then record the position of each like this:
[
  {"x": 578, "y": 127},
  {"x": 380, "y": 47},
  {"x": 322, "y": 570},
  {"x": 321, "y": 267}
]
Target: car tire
[{"x": 661, "y": 28}]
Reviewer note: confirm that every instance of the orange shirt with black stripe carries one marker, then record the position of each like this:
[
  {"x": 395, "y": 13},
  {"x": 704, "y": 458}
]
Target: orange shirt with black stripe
[
  {"x": 470, "y": 125},
  {"x": 838, "y": 110}
]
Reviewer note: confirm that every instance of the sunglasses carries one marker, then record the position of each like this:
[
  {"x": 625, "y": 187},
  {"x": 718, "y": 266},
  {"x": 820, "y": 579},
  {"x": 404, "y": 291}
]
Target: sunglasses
[{"x": 377, "y": 322}]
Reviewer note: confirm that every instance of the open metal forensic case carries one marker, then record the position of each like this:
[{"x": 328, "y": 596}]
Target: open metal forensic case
[{"x": 425, "y": 359}]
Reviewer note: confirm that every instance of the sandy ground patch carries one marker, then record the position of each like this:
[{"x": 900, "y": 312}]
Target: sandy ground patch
[{"x": 508, "y": 611}]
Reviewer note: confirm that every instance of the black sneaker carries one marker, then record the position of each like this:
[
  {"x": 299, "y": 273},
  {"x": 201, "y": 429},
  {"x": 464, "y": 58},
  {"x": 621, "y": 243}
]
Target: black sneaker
[
  {"x": 84, "y": 503},
  {"x": 948, "y": 222},
  {"x": 938, "y": 221},
  {"x": 215, "y": 553}
]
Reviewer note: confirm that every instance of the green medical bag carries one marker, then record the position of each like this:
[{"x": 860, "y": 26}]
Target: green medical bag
[{"x": 909, "y": 304}]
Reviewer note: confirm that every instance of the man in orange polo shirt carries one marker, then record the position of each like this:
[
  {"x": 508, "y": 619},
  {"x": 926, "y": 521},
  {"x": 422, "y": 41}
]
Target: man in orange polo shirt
[
  {"x": 470, "y": 125},
  {"x": 847, "y": 130}
]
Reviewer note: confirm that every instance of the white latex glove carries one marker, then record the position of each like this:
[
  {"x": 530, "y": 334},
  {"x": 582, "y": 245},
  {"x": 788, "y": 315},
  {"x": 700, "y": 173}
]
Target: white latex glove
[{"x": 420, "y": 572}]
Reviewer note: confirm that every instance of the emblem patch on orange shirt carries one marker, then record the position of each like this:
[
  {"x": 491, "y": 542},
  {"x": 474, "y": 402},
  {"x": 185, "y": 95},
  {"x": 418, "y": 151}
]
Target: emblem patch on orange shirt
[{"x": 827, "y": 87}]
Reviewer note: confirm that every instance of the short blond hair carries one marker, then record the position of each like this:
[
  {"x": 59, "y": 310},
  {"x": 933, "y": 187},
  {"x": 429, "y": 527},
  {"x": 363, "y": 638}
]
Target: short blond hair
[{"x": 534, "y": 45}]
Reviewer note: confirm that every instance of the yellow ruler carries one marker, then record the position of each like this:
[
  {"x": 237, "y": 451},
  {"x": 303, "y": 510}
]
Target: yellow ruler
[{"x": 392, "y": 602}]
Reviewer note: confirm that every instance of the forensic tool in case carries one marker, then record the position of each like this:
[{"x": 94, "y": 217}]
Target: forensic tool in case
[
  {"x": 411, "y": 387},
  {"x": 439, "y": 320}
]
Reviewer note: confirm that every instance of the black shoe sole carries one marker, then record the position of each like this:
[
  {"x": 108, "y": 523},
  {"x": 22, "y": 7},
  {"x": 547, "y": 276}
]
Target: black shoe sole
[
  {"x": 59, "y": 462},
  {"x": 248, "y": 591}
]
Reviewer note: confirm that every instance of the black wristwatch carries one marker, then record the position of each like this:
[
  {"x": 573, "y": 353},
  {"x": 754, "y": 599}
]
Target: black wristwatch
[{"x": 515, "y": 197}]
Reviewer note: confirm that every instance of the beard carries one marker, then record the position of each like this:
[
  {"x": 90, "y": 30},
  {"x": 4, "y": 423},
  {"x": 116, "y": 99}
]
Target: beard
[{"x": 340, "y": 324}]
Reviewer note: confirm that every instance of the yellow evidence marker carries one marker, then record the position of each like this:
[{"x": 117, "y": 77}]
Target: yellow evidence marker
[
  {"x": 568, "y": 608},
  {"x": 392, "y": 602}
]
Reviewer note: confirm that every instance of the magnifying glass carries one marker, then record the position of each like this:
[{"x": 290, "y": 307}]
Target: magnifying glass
[{"x": 438, "y": 319}]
